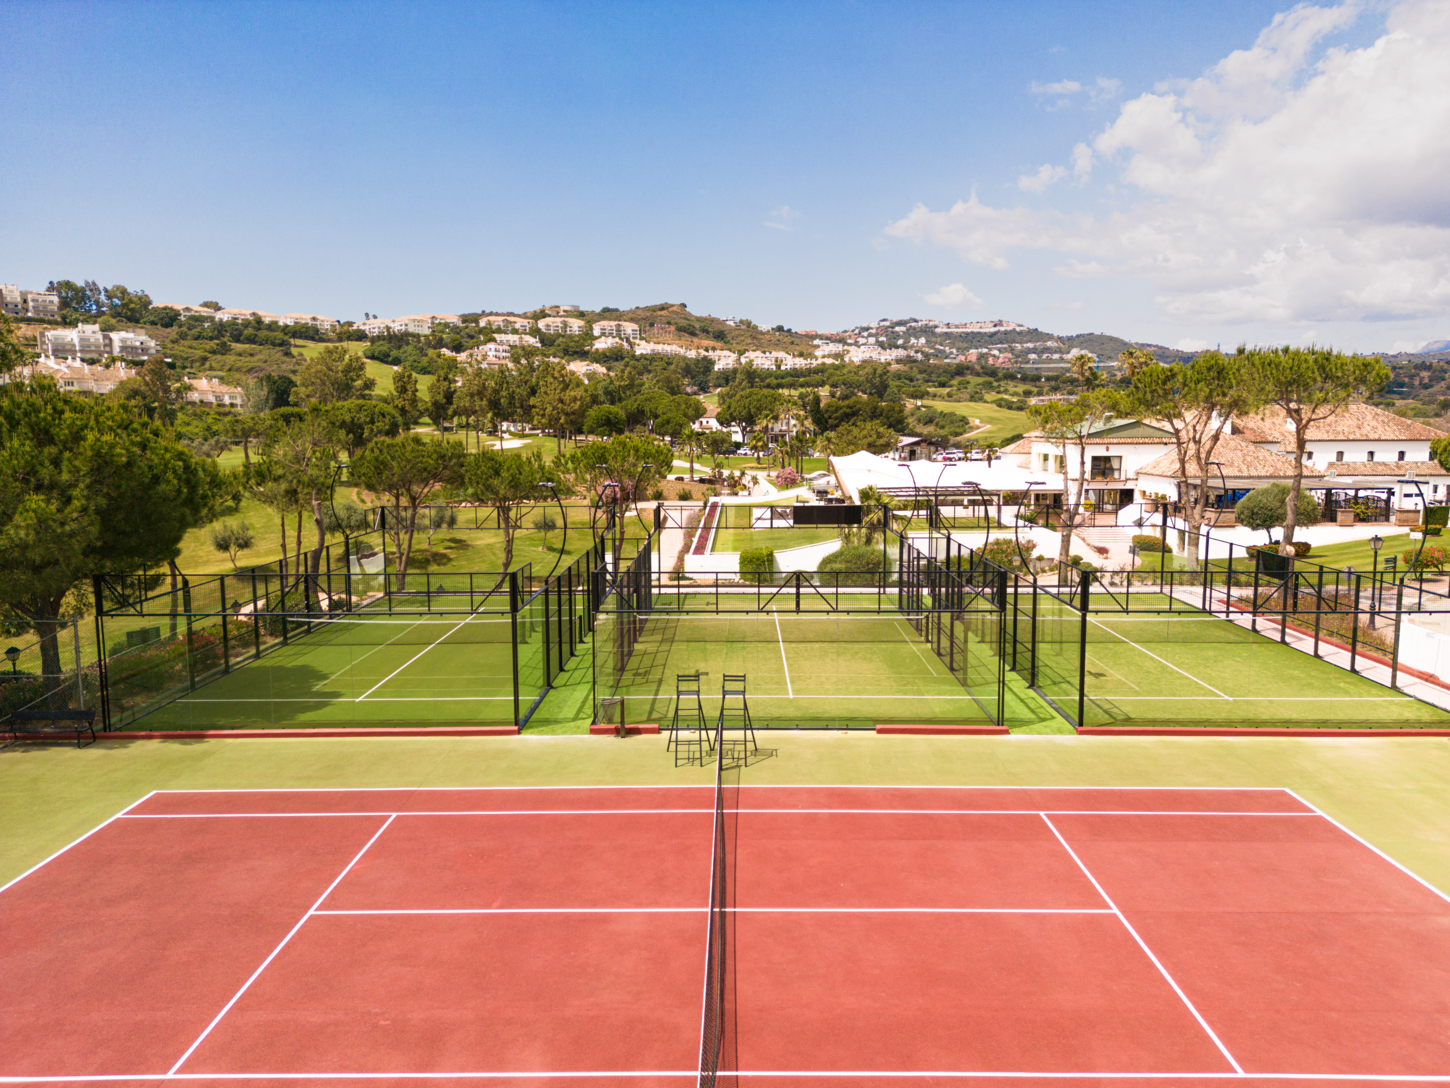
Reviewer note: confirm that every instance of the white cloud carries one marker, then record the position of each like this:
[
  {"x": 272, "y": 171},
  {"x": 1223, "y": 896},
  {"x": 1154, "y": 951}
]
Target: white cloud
[
  {"x": 1066, "y": 306},
  {"x": 1190, "y": 344},
  {"x": 1066, "y": 86},
  {"x": 782, "y": 217},
  {"x": 1045, "y": 176},
  {"x": 954, "y": 296},
  {"x": 1290, "y": 183}
]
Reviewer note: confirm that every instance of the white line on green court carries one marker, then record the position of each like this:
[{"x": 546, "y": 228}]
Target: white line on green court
[
  {"x": 1170, "y": 664},
  {"x": 784, "y": 663},
  {"x": 410, "y": 660},
  {"x": 374, "y": 650},
  {"x": 924, "y": 661}
]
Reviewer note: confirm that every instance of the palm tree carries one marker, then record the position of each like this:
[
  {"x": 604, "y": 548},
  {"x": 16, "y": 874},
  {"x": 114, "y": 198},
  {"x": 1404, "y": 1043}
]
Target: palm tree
[
  {"x": 758, "y": 443},
  {"x": 1133, "y": 360}
]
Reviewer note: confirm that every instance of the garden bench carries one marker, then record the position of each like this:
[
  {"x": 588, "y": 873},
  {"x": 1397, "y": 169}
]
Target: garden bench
[{"x": 38, "y": 722}]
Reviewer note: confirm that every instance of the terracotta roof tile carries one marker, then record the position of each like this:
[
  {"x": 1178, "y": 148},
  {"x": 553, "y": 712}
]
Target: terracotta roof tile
[
  {"x": 1353, "y": 422},
  {"x": 1385, "y": 468},
  {"x": 1240, "y": 459}
]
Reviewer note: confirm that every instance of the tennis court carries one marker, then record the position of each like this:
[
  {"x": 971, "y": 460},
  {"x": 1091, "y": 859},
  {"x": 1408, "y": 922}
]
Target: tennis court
[
  {"x": 856, "y": 935},
  {"x": 815, "y": 670},
  {"x": 1193, "y": 667},
  {"x": 369, "y": 668}
]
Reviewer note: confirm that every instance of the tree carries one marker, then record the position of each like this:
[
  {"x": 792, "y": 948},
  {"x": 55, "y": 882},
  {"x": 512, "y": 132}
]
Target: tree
[
  {"x": 1067, "y": 425},
  {"x": 758, "y": 444},
  {"x": 1132, "y": 360},
  {"x": 1195, "y": 400},
  {"x": 1308, "y": 385},
  {"x": 617, "y": 470},
  {"x": 127, "y": 305},
  {"x": 406, "y": 470},
  {"x": 1084, "y": 370},
  {"x": 86, "y": 488},
  {"x": 749, "y": 408},
  {"x": 1266, "y": 508},
  {"x": 157, "y": 391},
  {"x": 360, "y": 421},
  {"x": 231, "y": 537},
  {"x": 440, "y": 401},
  {"x": 12, "y": 355},
  {"x": 334, "y": 374},
  {"x": 470, "y": 403},
  {"x": 247, "y": 429},
  {"x": 302, "y": 454},
  {"x": 508, "y": 483},
  {"x": 405, "y": 400},
  {"x": 440, "y": 517},
  {"x": 561, "y": 402},
  {"x": 604, "y": 420},
  {"x": 858, "y": 435},
  {"x": 716, "y": 443}
]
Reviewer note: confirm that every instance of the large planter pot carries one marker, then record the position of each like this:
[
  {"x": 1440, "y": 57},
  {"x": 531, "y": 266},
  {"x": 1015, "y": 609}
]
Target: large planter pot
[
  {"x": 1345, "y": 517},
  {"x": 1407, "y": 517}
]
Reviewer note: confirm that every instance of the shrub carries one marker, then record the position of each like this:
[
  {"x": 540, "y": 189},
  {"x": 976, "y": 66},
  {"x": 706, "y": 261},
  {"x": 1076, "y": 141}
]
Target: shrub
[
  {"x": 857, "y": 564},
  {"x": 1437, "y": 517},
  {"x": 1432, "y": 557},
  {"x": 787, "y": 477},
  {"x": 657, "y": 494},
  {"x": 1265, "y": 507},
  {"x": 685, "y": 494},
  {"x": 1302, "y": 548},
  {"x": 1004, "y": 552},
  {"x": 757, "y": 564},
  {"x": 1147, "y": 542}
]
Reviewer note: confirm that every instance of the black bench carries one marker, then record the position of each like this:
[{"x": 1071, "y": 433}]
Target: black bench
[{"x": 37, "y": 722}]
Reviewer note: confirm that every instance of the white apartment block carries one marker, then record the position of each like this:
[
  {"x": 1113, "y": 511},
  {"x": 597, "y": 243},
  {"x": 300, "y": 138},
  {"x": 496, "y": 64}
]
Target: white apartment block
[
  {"x": 18, "y": 302},
  {"x": 516, "y": 339},
  {"x": 587, "y": 371},
  {"x": 506, "y": 321},
  {"x": 625, "y": 330},
  {"x": 562, "y": 326},
  {"x": 89, "y": 342},
  {"x": 317, "y": 321},
  {"x": 604, "y": 343},
  {"x": 244, "y": 315},
  {"x": 78, "y": 377},
  {"x": 648, "y": 347}
]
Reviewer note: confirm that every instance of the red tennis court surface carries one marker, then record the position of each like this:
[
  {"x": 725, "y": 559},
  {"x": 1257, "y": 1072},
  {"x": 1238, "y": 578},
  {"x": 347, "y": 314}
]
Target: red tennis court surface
[{"x": 557, "y": 937}]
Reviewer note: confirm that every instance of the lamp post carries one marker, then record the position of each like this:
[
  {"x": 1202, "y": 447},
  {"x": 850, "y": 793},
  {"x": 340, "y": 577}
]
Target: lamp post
[
  {"x": 1017, "y": 521},
  {"x": 1424, "y": 521},
  {"x": 1376, "y": 542},
  {"x": 12, "y": 654},
  {"x": 564, "y": 521}
]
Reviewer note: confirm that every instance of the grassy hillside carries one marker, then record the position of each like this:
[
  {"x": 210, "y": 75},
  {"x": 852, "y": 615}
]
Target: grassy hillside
[
  {"x": 695, "y": 330},
  {"x": 380, "y": 372},
  {"x": 1003, "y": 422}
]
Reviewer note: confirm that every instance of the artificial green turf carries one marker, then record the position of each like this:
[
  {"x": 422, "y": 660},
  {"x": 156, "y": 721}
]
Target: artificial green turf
[{"x": 1393, "y": 791}]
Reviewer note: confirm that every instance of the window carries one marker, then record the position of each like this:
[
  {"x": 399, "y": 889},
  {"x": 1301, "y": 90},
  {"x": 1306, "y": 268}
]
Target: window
[
  {"x": 1400, "y": 456},
  {"x": 1339, "y": 455},
  {"x": 1370, "y": 456}
]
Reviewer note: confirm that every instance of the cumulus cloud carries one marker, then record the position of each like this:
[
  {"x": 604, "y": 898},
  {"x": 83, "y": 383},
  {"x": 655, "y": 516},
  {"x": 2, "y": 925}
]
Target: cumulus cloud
[
  {"x": 781, "y": 218},
  {"x": 1096, "y": 93},
  {"x": 1290, "y": 182},
  {"x": 954, "y": 296},
  {"x": 1045, "y": 176}
]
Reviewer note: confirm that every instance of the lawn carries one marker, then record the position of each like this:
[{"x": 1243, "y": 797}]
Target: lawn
[
  {"x": 380, "y": 372},
  {"x": 1004, "y": 423},
  {"x": 1359, "y": 555},
  {"x": 734, "y": 540}
]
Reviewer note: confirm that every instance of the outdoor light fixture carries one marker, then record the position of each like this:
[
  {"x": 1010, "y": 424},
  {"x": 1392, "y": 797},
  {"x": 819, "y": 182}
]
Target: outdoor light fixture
[
  {"x": 1017, "y": 521},
  {"x": 1424, "y": 514},
  {"x": 564, "y": 546},
  {"x": 12, "y": 654}
]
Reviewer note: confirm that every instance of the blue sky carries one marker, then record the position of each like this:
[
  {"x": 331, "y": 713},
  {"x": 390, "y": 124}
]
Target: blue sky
[{"x": 812, "y": 164}]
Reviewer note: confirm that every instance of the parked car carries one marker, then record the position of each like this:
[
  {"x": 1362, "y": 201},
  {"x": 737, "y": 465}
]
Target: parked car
[{"x": 952, "y": 455}]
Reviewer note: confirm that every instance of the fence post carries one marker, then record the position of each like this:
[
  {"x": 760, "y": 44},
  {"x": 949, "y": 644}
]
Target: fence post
[
  {"x": 75, "y": 637},
  {"x": 514, "y": 622},
  {"x": 1399, "y": 619},
  {"x": 190, "y": 651},
  {"x": 101, "y": 673},
  {"x": 226, "y": 635},
  {"x": 1318, "y": 611},
  {"x": 1087, "y": 581},
  {"x": 1354, "y": 628}
]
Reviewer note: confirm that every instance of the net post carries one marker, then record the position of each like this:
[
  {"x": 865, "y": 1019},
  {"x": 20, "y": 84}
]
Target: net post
[
  {"x": 514, "y": 627},
  {"x": 190, "y": 650},
  {"x": 256, "y": 618},
  {"x": 1087, "y": 580}
]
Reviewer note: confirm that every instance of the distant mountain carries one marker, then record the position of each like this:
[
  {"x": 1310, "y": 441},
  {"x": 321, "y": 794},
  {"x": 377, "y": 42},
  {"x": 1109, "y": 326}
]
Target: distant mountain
[{"x": 1435, "y": 345}]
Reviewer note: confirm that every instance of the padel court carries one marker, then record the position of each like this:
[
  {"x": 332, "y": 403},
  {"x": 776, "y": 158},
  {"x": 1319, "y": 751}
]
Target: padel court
[
  {"x": 872, "y": 935},
  {"x": 368, "y": 669}
]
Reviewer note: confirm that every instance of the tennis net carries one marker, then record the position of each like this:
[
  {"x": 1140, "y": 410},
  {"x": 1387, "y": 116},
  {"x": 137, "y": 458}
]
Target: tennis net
[
  {"x": 712, "y": 1019},
  {"x": 777, "y": 627}
]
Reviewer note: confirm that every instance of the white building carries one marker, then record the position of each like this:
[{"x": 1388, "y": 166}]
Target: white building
[
  {"x": 77, "y": 377},
  {"x": 516, "y": 339},
  {"x": 245, "y": 315},
  {"x": 323, "y": 324},
  {"x": 562, "y": 326},
  {"x": 214, "y": 392},
  {"x": 587, "y": 371},
  {"x": 18, "y": 302},
  {"x": 89, "y": 342},
  {"x": 604, "y": 343},
  {"x": 506, "y": 321},
  {"x": 625, "y": 330}
]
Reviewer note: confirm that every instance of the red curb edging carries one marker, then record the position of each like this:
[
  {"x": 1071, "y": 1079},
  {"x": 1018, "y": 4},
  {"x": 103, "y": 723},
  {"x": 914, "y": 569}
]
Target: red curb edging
[
  {"x": 604, "y": 729},
  {"x": 1248, "y": 731},
  {"x": 939, "y": 730},
  {"x": 373, "y": 731}
]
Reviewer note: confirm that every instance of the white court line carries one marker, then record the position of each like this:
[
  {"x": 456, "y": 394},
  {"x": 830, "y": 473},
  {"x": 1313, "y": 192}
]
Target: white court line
[
  {"x": 745, "y": 786},
  {"x": 1170, "y": 664},
  {"x": 914, "y": 646},
  {"x": 696, "y": 811},
  {"x": 410, "y": 660},
  {"x": 76, "y": 842},
  {"x": 731, "y": 910},
  {"x": 1144, "y": 946},
  {"x": 1320, "y": 812},
  {"x": 290, "y": 933},
  {"x": 385, "y": 699},
  {"x": 1252, "y": 699},
  {"x": 693, "y": 1074},
  {"x": 784, "y": 663},
  {"x": 353, "y": 664}
]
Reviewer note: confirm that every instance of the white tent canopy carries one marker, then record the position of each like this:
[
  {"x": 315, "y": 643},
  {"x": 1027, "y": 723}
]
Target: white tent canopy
[{"x": 858, "y": 470}]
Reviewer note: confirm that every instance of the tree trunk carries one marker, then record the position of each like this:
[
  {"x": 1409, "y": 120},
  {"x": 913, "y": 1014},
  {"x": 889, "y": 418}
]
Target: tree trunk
[
  {"x": 314, "y": 594},
  {"x": 407, "y": 547},
  {"x": 282, "y": 563},
  {"x": 171, "y": 563},
  {"x": 1291, "y": 504}
]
